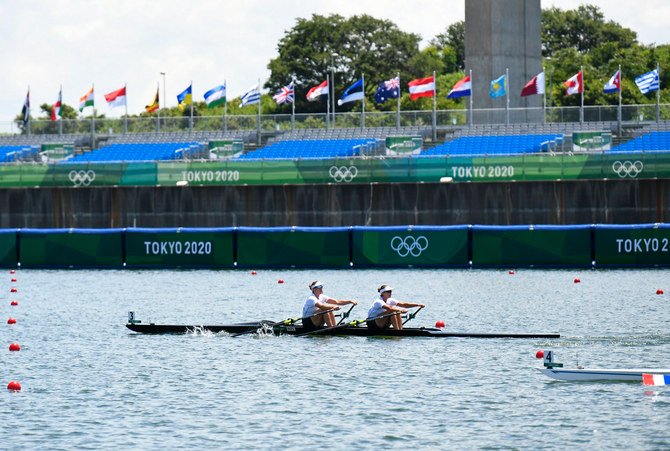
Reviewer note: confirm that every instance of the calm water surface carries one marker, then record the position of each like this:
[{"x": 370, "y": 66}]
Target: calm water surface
[{"x": 88, "y": 382}]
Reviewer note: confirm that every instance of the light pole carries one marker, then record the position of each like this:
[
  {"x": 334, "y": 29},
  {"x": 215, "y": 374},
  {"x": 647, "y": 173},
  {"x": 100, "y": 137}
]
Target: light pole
[{"x": 164, "y": 101}]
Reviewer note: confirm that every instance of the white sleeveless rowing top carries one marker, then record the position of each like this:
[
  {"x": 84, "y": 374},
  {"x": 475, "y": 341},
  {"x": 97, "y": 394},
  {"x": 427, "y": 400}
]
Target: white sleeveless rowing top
[
  {"x": 309, "y": 309},
  {"x": 377, "y": 308}
]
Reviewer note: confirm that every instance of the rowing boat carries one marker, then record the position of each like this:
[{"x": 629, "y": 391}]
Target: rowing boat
[
  {"x": 600, "y": 374},
  {"x": 356, "y": 331}
]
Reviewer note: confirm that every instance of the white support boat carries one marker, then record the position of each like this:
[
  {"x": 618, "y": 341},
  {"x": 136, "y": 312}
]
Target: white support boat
[{"x": 556, "y": 371}]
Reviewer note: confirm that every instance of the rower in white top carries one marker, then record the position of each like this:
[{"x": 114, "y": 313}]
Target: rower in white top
[
  {"x": 318, "y": 309},
  {"x": 387, "y": 311}
]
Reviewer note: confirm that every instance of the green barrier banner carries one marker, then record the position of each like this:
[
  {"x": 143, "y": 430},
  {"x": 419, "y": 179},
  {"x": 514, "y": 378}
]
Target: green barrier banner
[
  {"x": 189, "y": 248},
  {"x": 8, "y": 248},
  {"x": 621, "y": 245},
  {"x": 410, "y": 246},
  {"x": 591, "y": 140},
  {"x": 71, "y": 248},
  {"x": 531, "y": 246},
  {"x": 293, "y": 246},
  {"x": 535, "y": 167},
  {"x": 397, "y": 145}
]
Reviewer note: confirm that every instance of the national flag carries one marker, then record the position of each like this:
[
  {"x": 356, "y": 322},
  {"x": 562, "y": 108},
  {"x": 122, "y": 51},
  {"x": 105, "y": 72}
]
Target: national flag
[
  {"x": 353, "y": 93},
  {"x": 185, "y": 97},
  {"x": 25, "y": 111},
  {"x": 251, "y": 97},
  {"x": 534, "y": 86},
  {"x": 116, "y": 98},
  {"x": 614, "y": 84},
  {"x": 216, "y": 96},
  {"x": 56, "y": 107},
  {"x": 154, "y": 105},
  {"x": 462, "y": 88},
  {"x": 497, "y": 88},
  {"x": 648, "y": 82},
  {"x": 86, "y": 100},
  {"x": 285, "y": 94},
  {"x": 655, "y": 379},
  {"x": 389, "y": 89},
  {"x": 318, "y": 91},
  {"x": 574, "y": 84},
  {"x": 421, "y": 87}
]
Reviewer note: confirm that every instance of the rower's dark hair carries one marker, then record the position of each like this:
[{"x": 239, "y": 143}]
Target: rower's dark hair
[
  {"x": 379, "y": 290},
  {"x": 311, "y": 285}
]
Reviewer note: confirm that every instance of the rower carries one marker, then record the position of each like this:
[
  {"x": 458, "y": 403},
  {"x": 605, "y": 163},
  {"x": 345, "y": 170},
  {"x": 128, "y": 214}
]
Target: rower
[
  {"x": 386, "y": 311},
  {"x": 318, "y": 309}
]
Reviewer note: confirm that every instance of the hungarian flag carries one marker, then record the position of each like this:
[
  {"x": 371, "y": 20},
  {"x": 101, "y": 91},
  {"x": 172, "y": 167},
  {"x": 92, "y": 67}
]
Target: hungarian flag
[
  {"x": 86, "y": 100},
  {"x": 534, "y": 86},
  {"x": 154, "y": 105},
  {"x": 318, "y": 91},
  {"x": 116, "y": 98},
  {"x": 421, "y": 87},
  {"x": 56, "y": 107},
  {"x": 574, "y": 84}
]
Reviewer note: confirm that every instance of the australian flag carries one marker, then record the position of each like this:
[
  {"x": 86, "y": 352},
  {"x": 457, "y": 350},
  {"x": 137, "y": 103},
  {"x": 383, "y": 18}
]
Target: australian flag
[{"x": 389, "y": 89}]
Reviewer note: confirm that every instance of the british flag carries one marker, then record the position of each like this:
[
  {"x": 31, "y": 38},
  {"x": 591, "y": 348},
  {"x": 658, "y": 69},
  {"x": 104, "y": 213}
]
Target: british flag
[{"x": 285, "y": 95}]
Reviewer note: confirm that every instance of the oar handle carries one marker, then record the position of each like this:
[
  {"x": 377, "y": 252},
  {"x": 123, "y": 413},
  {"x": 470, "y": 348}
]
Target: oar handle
[
  {"x": 412, "y": 315},
  {"x": 345, "y": 315}
]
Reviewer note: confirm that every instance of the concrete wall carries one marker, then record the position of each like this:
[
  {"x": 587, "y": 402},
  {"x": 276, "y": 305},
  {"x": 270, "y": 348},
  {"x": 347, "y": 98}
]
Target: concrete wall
[
  {"x": 502, "y": 34},
  {"x": 567, "y": 202}
]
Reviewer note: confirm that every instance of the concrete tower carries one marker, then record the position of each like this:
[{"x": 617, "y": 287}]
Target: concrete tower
[{"x": 502, "y": 34}]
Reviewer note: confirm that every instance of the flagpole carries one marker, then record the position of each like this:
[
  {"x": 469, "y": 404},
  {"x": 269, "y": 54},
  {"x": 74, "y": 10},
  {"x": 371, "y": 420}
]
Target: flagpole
[
  {"x": 125, "y": 118},
  {"x": 60, "y": 112},
  {"x": 328, "y": 103},
  {"x": 28, "y": 110},
  {"x": 471, "y": 96},
  {"x": 434, "y": 107},
  {"x": 581, "y": 105},
  {"x": 397, "y": 116},
  {"x": 158, "y": 111},
  {"x": 293, "y": 106},
  {"x": 190, "y": 122},
  {"x": 93, "y": 117},
  {"x": 363, "y": 104},
  {"x": 258, "y": 120},
  {"x": 544, "y": 98},
  {"x": 619, "y": 115},
  {"x": 658, "y": 93},
  {"x": 506, "y": 95},
  {"x": 225, "y": 107},
  {"x": 332, "y": 99}
]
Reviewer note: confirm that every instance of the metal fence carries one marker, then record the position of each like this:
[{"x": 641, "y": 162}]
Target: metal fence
[{"x": 631, "y": 114}]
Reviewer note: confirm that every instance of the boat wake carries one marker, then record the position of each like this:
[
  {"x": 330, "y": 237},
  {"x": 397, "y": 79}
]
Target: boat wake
[{"x": 200, "y": 331}]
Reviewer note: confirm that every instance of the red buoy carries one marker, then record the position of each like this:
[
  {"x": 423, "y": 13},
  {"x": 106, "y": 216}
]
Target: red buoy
[
  {"x": 577, "y": 280},
  {"x": 13, "y": 279},
  {"x": 659, "y": 291},
  {"x": 280, "y": 281},
  {"x": 11, "y": 271},
  {"x": 15, "y": 302},
  {"x": 11, "y": 321},
  {"x": 539, "y": 354},
  {"x": 14, "y": 347},
  {"x": 439, "y": 324},
  {"x": 13, "y": 290},
  {"x": 253, "y": 273},
  {"x": 14, "y": 385},
  {"x": 511, "y": 272}
]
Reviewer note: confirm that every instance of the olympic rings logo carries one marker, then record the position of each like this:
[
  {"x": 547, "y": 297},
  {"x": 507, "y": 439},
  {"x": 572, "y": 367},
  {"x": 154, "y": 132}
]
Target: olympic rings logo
[
  {"x": 409, "y": 245},
  {"x": 343, "y": 174},
  {"x": 82, "y": 178},
  {"x": 627, "y": 168}
]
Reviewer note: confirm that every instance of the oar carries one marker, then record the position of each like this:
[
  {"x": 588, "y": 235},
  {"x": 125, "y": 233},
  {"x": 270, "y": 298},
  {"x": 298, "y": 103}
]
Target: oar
[
  {"x": 345, "y": 315},
  {"x": 286, "y": 322},
  {"x": 412, "y": 315},
  {"x": 353, "y": 323}
]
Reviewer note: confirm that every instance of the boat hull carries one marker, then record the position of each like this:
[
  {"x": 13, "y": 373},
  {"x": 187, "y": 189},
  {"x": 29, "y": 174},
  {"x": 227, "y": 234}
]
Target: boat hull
[
  {"x": 600, "y": 374},
  {"x": 359, "y": 331}
]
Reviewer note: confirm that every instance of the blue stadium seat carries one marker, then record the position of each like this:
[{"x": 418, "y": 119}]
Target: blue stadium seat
[
  {"x": 138, "y": 152},
  {"x": 495, "y": 145},
  {"x": 650, "y": 142},
  {"x": 313, "y": 148}
]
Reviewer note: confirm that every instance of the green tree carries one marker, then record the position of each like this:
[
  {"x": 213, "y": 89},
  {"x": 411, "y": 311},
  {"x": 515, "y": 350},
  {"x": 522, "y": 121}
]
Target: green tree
[
  {"x": 350, "y": 46},
  {"x": 451, "y": 45}
]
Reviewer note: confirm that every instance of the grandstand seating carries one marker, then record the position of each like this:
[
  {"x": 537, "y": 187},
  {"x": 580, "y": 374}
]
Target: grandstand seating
[
  {"x": 656, "y": 141},
  {"x": 313, "y": 148},
  {"x": 18, "y": 153},
  {"x": 495, "y": 145},
  {"x": 137, "y": 152}
]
